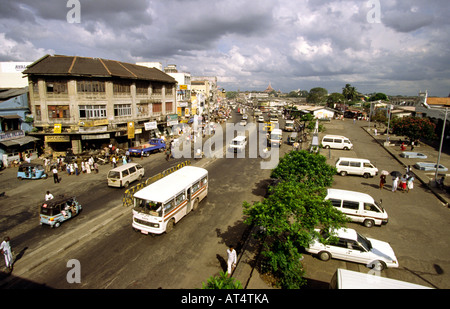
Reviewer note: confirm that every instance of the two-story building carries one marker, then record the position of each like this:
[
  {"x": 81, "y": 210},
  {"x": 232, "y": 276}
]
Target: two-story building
[{"x": 86, "y": 103}]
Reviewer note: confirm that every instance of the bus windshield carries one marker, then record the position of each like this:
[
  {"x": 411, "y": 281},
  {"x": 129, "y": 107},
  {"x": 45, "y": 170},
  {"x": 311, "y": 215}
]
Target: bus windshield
[{"x": 148, "y": 207}]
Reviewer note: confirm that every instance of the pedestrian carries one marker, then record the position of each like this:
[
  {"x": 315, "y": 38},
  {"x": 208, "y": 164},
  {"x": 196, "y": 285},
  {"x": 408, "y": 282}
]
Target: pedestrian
[
  {"x": 75, "y": 166},
  {"x": 5, "y": 248},
  {"x": 114, "y": 161},
  {"x": 167, "y": 154},
  {"x": 403, "y": 182},
  {"x": 232, "y": 259},
  {"x": 394, "y": 183},
  {"x": 48, "y": 196},
  {"x": 68, "y": 169},
  {"x": 88, "y": 167},
  {"x": 412, "y": 145},
  {"x": 410, "y": 183},
  {"x": 382, "y": 181},
  {"x": 124, "y": 160},
  {"x": 55, "y": 175},
  {"x": 83, "y": 167},
  {"x": 96, "y": 167}
]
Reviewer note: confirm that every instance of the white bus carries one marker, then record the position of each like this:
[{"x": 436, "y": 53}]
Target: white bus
[{"x": 160, "y": 205}]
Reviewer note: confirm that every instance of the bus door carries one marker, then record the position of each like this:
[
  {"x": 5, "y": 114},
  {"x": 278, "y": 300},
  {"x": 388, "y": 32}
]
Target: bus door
[{"x": 189, "y": 205}]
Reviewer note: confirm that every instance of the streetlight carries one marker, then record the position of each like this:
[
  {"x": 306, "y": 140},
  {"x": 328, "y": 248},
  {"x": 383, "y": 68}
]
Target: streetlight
[
  {"x": 440, "y": 146},
  {"x": 442, "y": 139}
]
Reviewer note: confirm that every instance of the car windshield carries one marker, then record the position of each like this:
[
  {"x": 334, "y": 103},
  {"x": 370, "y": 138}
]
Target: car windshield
[
  {"x": 379, "y": 206},
  {"x": 364, "y": 242},
  {"x": 148, "y": 207}
]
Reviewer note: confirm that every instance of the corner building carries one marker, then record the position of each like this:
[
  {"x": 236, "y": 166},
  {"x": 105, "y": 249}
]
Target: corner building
[{"x": 84, "y": 103}]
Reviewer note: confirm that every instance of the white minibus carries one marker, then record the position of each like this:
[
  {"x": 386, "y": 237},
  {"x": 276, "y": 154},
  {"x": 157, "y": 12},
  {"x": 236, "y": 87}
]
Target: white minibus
[
  {"x": 347, "y": 279},
  {"x": 359, "y": 207},
  {"x": 337, "y": 142},
  {"x": 356, "y": 166},
  {"x": 160, "y": 205},
  {"x": 123, "y": 175}
]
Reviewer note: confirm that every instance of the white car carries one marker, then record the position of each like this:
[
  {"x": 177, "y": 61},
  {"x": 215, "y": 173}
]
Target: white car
[
  {"x": 243, "y": 123},
  {"x": 260, "y": 119},
  {"x": 352, "y": 246}
]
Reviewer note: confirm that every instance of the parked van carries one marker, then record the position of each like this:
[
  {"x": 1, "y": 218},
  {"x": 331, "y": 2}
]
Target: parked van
[
  {"x": 355, "y": 166},
  {"x": 123, "y": 175},
  {"x": 359, "y": 207},
  {"x": 337, "y": 142},
  {"x": 347, "y": 279},
  {"x": 238, "y": 143}
]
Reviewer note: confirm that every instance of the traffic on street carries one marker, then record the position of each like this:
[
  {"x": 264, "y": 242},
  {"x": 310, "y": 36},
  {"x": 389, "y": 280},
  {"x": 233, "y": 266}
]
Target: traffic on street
[{"x": 115, "y": 251}]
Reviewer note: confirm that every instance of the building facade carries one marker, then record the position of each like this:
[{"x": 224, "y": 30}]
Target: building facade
[{"x": 84, "y": 103}]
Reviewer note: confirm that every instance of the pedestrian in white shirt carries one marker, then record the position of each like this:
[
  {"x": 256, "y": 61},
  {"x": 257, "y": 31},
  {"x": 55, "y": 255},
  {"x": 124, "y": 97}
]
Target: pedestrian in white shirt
[
  {"x": 48, "y": 196},
  {"x": 232, "y": 259},
  {"x": 5, "y": 248}
]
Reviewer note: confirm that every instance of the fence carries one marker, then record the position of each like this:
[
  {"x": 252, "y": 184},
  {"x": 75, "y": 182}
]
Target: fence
[{"x": 127, "y": 199}]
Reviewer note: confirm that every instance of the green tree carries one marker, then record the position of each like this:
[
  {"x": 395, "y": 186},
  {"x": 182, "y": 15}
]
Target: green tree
[
  {"x": 335, "y": 97},
  {"x": 414, "y": 128},
  {"x": 350, "y": 92},
  {"x": 289, "y": 216},
  {"x": 317, "y": 95},
  {"x": 231, "y": 94},
  {"x": 378, "y": 96},
  {"x": 302, "y": 166},
  {"x": 221, "y": 282}
]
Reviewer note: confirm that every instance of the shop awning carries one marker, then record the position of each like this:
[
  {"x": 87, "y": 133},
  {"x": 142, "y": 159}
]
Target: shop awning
[{"x": 19, "y": 141}]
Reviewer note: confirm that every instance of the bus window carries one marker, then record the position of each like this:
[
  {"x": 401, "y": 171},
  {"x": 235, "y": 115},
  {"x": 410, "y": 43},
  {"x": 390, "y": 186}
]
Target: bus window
[
  {"x": 180, "y": 198},
  {"x": 169, "y": 206},
  {"x": 195, "y": 187}
]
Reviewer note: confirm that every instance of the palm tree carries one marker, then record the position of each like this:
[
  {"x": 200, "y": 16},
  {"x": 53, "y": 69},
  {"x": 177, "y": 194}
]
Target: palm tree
[{"x": 349, "y": 92}]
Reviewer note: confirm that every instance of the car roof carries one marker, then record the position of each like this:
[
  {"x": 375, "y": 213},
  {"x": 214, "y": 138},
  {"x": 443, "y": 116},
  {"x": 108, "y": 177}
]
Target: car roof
[
  {"x": 350, "y": 195},
  {"x": 346, "y": 233}
]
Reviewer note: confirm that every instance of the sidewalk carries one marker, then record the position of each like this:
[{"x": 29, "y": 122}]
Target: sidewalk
[{"x": 426, "y": 178}]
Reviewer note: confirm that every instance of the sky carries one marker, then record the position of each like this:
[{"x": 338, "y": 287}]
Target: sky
[{"x": 398, "y": 47}]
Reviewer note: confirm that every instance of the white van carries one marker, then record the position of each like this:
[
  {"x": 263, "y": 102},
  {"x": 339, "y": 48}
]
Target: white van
[
  {"x": 123, "y": 175},
  {"x": 355, "y": 166},
  {"x": 276, "y": 137},
  {"x": 347, "y": 279},
  {"x": 337, "y": 142},
  {"x": 359, "y": 207},
  {"x": 238, "y": 143}
]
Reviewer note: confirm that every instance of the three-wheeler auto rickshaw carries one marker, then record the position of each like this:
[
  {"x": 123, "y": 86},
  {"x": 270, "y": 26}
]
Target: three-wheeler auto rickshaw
[
  {"x": 31, "y": 171},
  {"x": 59, "y": 209}
]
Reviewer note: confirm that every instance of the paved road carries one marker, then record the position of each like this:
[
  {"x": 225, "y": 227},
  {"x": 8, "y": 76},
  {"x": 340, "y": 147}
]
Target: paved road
[{"x": 113, "y": 256}]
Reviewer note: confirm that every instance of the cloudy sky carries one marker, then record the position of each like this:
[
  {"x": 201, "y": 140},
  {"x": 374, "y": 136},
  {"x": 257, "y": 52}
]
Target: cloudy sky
[{"x": 390, "y": 46}]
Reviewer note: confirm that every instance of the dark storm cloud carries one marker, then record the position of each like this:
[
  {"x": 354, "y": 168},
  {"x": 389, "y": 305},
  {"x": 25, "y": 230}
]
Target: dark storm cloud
[{"x": 300, "y": 43}]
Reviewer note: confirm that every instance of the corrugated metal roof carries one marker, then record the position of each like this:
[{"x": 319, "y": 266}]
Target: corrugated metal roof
[{"x": 60, "y": 65}]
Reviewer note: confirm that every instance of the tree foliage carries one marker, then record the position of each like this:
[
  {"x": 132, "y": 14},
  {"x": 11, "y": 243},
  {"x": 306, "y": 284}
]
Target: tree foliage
[
  {"x": 349, "y": 92},
  {"x": 317, "y": 95},
  {"x": 221, "y": 282},
  {"x": 305, "y": 167},
  {"x": 414, "y": 128},
  {"x": 292, "y": 212}
]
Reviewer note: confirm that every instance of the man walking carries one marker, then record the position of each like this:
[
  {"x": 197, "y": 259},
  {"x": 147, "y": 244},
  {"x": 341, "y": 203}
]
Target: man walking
[
  {"x": 232, "y": 259},
  {"x": 5, "y": 248},
  {"x": 55, "y": 175}
]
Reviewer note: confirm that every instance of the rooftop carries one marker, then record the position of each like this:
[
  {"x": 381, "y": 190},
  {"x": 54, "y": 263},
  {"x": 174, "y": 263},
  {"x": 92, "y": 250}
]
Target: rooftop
[{"x": 60, "y": 65}]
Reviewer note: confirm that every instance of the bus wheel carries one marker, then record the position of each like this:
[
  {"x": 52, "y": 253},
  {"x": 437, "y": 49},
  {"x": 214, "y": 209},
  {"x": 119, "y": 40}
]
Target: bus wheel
[
  {"x": 170, "y": 225},
  {"x": 195, "y": 207}
]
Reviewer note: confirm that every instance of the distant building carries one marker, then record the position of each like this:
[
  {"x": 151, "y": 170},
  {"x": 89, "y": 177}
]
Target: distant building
[
  {"x": 15, "y": 122},
  {"x": 11, "y": 74},
  {"x": 269, "y": 88},
  {"x": 83, "y": 103}
]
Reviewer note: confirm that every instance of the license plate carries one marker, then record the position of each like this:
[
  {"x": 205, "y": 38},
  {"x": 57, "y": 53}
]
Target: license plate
[{"x": 144, "y": 232}]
